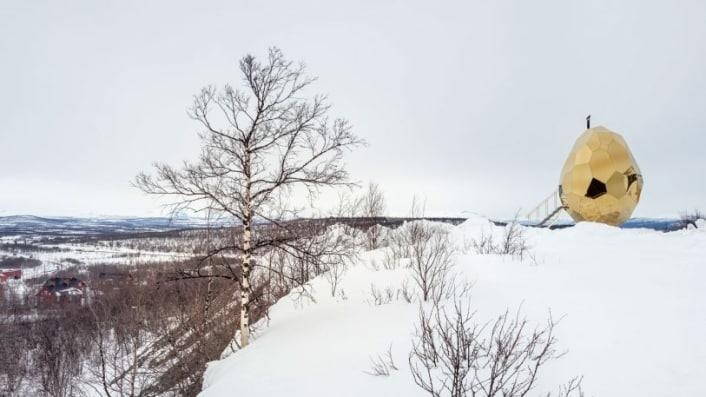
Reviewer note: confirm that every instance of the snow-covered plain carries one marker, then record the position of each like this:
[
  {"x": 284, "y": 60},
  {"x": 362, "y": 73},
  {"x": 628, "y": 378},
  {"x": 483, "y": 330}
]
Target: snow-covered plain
[
  {"x": 87, "y": 255},
  {"x": 632, "y": 303}
]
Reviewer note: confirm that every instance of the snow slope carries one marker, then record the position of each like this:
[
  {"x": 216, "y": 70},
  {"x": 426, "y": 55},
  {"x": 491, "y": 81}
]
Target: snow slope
[{"x": 633, "y": 301}]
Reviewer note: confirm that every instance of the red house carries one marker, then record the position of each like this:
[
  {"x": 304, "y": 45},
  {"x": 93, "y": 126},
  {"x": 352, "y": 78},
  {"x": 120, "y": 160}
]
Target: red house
[
  {"x": 62, "y": 290},
  {"x": 10, "y": 274}
]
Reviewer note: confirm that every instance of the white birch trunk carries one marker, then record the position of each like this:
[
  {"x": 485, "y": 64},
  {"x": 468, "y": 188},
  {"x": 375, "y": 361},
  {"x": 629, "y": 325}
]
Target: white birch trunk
[
  {"x": 245, "y": 287},
  {"x": 247, "y": 260}
]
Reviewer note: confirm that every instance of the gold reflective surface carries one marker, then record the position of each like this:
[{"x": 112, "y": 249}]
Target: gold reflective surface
[{"x": 600, "y": 181}]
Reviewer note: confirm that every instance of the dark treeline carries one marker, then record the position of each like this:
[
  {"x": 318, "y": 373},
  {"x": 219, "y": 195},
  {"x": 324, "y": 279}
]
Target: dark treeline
[{"x": 134, "y": 335}]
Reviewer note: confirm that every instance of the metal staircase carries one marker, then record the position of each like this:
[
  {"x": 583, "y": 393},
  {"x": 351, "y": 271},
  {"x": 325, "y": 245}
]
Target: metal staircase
[{"x": 547, "y": 212}]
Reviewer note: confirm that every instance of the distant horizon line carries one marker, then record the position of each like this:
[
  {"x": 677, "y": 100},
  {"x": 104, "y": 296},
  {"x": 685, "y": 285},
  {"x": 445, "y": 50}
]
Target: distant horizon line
[{"x": 189, "y": 217}]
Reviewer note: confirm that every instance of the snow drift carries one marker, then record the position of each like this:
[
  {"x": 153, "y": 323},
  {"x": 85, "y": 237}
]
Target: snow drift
[{"x": 631, "y": 302}]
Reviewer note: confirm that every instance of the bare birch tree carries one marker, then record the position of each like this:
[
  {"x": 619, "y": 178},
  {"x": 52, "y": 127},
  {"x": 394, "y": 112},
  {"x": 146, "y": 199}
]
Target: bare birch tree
[
  {"x": 373, "y": 206},
  {"x": 262, "y": 143}
]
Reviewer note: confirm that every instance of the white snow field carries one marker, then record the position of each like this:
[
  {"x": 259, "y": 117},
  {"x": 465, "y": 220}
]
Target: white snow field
[{"x": 633, "y": 301}]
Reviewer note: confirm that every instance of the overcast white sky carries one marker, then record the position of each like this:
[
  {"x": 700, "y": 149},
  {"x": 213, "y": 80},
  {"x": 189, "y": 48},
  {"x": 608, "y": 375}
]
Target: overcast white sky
[{"x": 471, "y": 105}]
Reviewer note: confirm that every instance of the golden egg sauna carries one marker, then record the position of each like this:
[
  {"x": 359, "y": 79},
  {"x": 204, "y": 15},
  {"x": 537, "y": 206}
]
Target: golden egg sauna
[{"x": 600, "y": 181}]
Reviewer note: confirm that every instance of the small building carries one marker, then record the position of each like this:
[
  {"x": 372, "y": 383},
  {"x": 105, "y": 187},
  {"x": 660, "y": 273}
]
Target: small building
[
  {"x": 10, "y": 274},
  {"x": 62, "y": 290}
]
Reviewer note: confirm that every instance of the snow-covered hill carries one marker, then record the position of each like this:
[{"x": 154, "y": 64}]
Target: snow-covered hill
[
  {"x": 632, "y": 305},
  {"x": 34, "y": 225}
]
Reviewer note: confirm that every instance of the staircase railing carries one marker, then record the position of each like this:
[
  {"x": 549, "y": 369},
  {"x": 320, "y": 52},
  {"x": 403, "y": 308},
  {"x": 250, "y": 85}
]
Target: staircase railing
[{"x": 547, "y": 211}]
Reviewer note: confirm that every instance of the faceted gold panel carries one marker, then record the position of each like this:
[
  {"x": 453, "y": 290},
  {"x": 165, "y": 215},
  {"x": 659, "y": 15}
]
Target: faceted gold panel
[{"x": 600, "y": 181}]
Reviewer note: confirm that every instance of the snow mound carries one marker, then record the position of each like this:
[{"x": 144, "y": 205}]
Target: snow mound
[
  {"x": 701, "y": 224},
  {"x": 632, "y": 304}
]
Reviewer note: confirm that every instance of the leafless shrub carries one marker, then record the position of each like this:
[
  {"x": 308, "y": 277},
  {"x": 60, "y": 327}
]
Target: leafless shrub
[
  {"x": 376, "y": 296},
  {"x": 375, "y": 236},
  {"x": 15, "y": 364},
  {"x": 406, "y": 292},
  {"x": 513, "y": 242},
  {"x": 373, "y": 205},
  {"x": 572, "y": 388},
  {"x": 382, "y": 365},
  {"x": 58, "y": 358},
  {"x": 426, "y": 249},
  {"x": 452, "y": 355},
  {"x": 485, "y": 244},
  {"x": 456, "y": 289},
  {"x": 430, "y": 257},
  {"x": 333, "y": 276},
  {"x": 349, "y": 205},
  {"x": 394, "y": 255},
  {"x": 123, "y": 340},
  {"x": 687, "y": 218},
  {"x": 399, "y": 240},
  {"x": 381, "y": 297},
  {"x": 326, "y": 251},
  {"x": 370, "y": 205}
]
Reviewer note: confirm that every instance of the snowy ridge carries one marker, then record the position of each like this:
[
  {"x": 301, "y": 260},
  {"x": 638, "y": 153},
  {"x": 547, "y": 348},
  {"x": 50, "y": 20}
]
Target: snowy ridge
[
  {"x": 29, "y": 224},
  {"x": 631, "y": 303}
]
